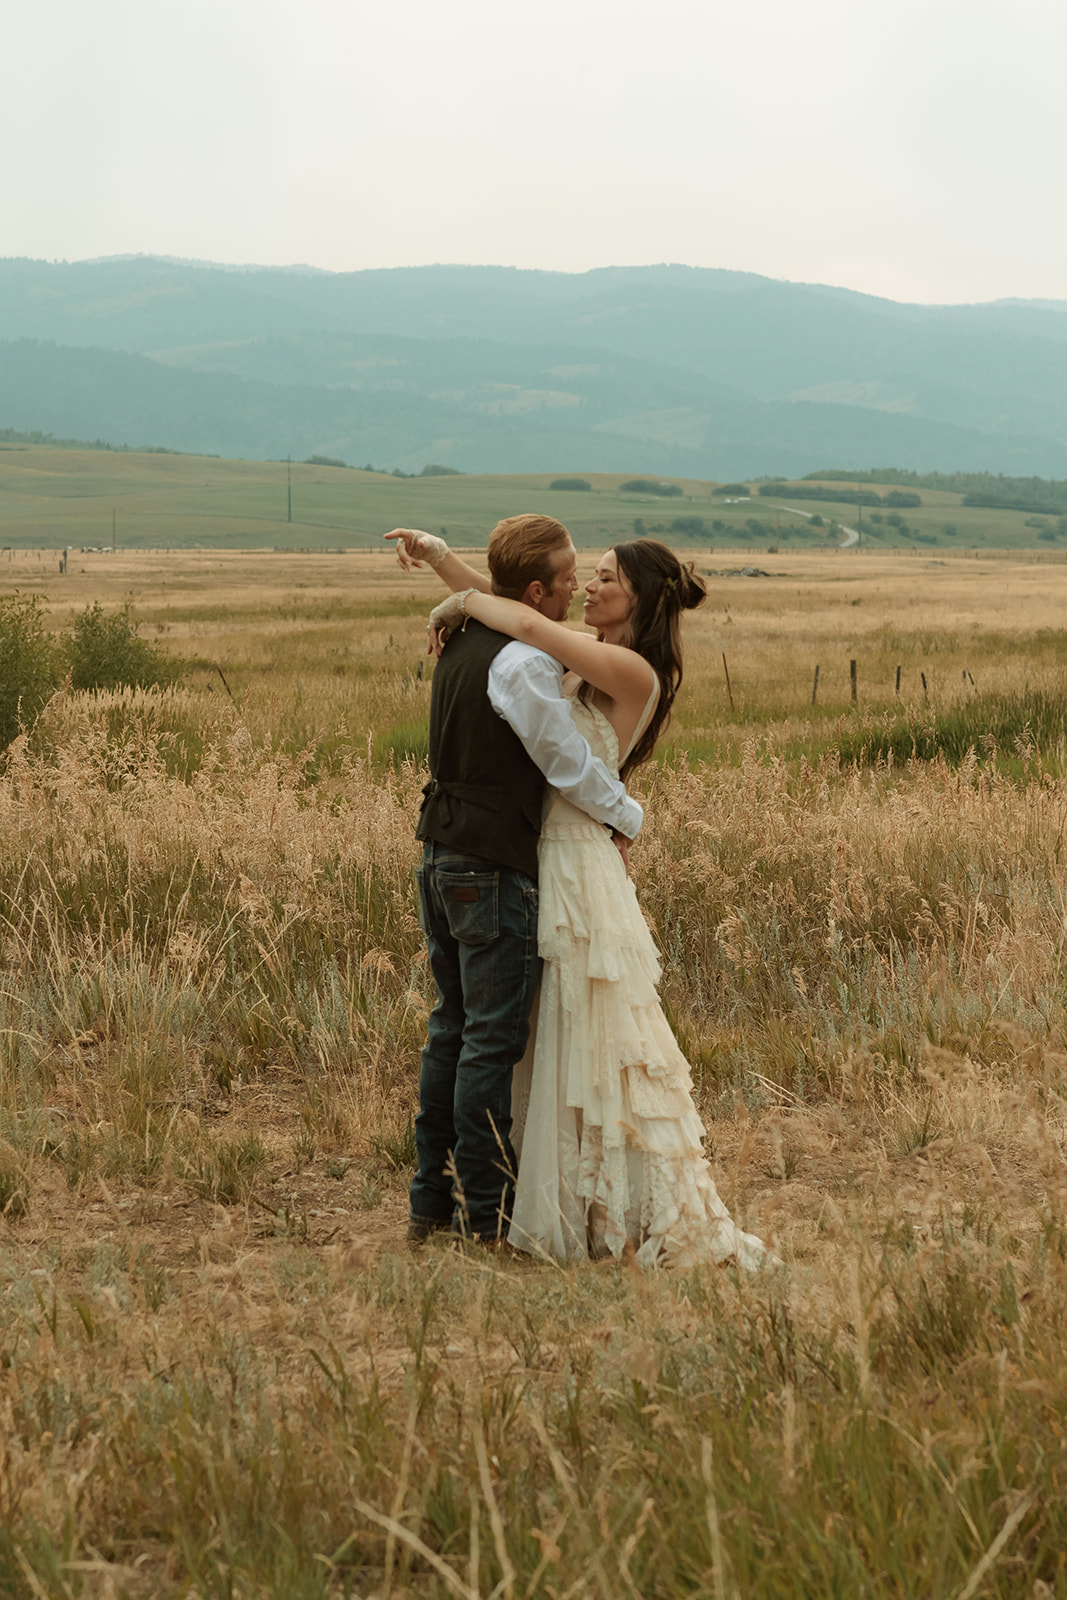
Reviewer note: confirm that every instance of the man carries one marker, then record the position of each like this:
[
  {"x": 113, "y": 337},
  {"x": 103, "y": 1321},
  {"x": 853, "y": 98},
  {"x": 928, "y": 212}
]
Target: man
[{"x": 499, "y": 730}]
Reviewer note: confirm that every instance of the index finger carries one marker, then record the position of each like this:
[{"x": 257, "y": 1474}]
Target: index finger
[{"x": 403, "y": 550}]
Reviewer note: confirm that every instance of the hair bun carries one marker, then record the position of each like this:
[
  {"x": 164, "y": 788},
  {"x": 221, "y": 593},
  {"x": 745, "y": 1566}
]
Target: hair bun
[{"x": 692, "y": 590}]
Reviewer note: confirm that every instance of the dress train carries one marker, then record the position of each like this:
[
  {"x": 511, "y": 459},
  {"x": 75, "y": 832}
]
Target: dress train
[{"x": 610, "y": 1143}]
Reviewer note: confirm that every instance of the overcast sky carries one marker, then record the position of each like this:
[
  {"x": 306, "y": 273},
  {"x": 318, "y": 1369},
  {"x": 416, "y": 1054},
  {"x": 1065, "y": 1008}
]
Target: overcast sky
[{"x": 908, "y": 148}]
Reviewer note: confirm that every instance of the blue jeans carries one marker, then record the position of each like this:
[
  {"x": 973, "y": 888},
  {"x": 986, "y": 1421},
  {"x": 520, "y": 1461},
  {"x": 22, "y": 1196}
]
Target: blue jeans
[{"x": 480, "y": 922}]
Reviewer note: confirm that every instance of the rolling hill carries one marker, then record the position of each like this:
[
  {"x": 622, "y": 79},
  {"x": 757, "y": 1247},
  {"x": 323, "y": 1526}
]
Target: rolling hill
[{"x": 662, "y": 369}]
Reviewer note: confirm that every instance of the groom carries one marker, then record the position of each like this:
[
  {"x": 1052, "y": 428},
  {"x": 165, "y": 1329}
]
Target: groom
[{"x": 499, "y": 731}]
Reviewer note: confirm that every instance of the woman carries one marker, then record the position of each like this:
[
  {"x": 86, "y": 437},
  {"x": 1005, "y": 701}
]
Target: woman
[{"x": 610, "y": 1142}]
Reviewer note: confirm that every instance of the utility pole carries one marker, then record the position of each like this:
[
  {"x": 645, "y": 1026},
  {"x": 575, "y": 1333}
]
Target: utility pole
[
  {"x": 114, "y": 518},
  {"x": 289, "y": 485}
]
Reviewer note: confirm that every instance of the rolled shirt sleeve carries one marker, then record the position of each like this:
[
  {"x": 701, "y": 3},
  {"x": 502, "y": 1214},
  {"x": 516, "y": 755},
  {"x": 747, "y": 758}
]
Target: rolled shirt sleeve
[{"x": 526, "y": 689}]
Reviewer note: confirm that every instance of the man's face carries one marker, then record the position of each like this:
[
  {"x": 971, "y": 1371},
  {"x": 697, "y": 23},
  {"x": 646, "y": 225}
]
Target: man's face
[{"x": 556, "y": 600}]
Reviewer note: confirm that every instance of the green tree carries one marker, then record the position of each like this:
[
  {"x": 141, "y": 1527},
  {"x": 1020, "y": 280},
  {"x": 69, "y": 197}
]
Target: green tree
[
  {"x": 105, "y": 651},
  {"x": 649, "y": 486},
  {"x": 29, "y": 669}
]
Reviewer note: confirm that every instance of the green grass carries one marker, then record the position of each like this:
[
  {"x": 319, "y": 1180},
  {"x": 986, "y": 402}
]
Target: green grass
[
  {"x": 53, "y": 497},
  {"x": 1013, "y": 727}
]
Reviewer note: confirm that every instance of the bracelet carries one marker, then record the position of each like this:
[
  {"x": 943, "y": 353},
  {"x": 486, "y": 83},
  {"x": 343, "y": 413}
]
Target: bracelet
[{"x": 464, "y": 597}]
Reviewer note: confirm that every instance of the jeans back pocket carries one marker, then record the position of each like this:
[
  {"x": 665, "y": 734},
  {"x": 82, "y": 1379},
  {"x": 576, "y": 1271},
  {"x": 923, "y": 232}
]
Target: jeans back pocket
[{"x": 471, "y": 903}]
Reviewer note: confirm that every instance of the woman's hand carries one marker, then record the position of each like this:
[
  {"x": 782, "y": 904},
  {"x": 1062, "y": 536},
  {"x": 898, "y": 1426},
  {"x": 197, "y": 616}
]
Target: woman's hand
[
  {"x": 450, "y": 614},
  {"x": 413, "y": 547},
  {"x": 445, "y": 619}
]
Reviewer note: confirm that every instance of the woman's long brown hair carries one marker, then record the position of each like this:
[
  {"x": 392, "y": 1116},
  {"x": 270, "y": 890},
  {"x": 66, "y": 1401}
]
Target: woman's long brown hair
[{"x": 663, "y": 587}]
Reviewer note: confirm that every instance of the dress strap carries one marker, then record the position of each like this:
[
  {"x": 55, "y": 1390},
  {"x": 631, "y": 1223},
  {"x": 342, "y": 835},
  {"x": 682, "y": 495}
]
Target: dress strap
[{"x": 643, "y": 719}]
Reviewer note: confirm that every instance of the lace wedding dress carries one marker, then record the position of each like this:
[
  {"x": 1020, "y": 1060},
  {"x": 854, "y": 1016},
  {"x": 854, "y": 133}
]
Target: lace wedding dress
[{"x": 609, "y": 1140}]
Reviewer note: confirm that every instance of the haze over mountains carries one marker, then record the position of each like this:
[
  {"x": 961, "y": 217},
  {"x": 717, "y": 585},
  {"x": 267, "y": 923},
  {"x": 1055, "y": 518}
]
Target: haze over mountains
[{"x": 671, "y": 370}]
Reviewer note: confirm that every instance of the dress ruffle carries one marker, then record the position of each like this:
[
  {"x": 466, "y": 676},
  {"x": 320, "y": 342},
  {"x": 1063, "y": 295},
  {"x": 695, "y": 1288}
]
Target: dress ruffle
[{"x": 611, "y": 1142}]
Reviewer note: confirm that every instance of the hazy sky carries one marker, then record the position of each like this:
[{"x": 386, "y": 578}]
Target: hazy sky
[{"x": 909, "y": 148}]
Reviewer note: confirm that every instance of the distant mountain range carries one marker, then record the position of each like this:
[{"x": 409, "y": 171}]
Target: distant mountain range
[{"x": 671, "y": 370}]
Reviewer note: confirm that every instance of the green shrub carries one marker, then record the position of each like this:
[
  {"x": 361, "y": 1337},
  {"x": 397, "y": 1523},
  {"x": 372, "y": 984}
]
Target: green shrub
[
  {"x": 105, "y": 652},
  {"x": 569, "y": 483},
  {"x": 689, "y": 527},
  {"x": 29, "y": 669}
]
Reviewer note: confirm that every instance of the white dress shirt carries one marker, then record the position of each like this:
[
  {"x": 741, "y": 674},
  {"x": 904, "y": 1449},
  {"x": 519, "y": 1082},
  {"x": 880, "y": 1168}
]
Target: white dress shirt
[{"x": 526, "y": 689}]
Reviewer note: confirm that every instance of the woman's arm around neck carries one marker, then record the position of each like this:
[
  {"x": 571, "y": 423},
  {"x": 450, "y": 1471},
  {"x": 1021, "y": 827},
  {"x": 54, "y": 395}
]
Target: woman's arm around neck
[{"x": 619, "y": 673}]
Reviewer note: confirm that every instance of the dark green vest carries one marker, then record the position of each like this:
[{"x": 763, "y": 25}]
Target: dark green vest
[{"x": 485, "y": 793}]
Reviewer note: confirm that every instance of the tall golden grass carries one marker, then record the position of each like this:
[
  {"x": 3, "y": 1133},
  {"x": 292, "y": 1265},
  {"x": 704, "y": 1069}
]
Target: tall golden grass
[{"x": 222, "y": 1374}]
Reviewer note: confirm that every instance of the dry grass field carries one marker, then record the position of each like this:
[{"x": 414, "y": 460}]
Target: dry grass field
[{"x": 221, "y": 1371}]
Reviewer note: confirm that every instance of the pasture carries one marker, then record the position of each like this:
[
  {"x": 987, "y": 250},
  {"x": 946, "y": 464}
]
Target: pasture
[
  {"x": 221, "y": 1371},
  {"x": 54, "y": 497}
]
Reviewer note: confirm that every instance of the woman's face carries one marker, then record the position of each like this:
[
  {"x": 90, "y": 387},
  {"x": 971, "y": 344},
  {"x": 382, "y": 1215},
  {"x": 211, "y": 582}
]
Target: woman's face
[{"x": 609, "y": 598}]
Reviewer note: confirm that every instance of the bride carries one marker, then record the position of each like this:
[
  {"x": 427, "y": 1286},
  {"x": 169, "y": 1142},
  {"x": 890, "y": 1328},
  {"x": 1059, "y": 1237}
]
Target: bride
[{"x": 609, "y": 1140}]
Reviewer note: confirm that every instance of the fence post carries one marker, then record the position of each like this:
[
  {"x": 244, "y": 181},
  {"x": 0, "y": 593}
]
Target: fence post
[
  {"x": 815, "y": 685},
  {"x": 729, "y": 691},
  {"x": 852, "y": 676},
  {"x": 898, "y": 680}
]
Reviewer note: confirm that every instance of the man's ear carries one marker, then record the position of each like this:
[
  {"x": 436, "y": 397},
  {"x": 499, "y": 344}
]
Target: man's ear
[{"x": 533, "y": 594}]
